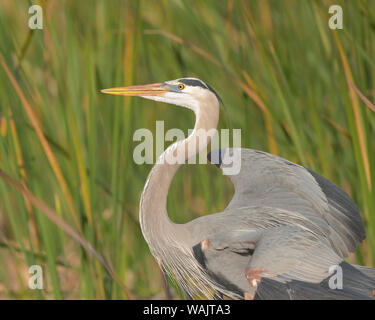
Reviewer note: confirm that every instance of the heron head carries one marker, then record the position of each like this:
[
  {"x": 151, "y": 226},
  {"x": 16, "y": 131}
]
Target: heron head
[{"x": 186, "y": 92}]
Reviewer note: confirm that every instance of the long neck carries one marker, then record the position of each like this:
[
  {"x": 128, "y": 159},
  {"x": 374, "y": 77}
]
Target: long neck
[{"x": 155, "y": 223}]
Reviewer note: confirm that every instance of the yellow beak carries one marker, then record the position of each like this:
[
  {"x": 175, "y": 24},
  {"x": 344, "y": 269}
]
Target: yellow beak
[{"x": 154, "y": 89}]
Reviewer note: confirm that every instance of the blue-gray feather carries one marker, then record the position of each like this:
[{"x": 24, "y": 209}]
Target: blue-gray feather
[{"x": 287, "y": 220}]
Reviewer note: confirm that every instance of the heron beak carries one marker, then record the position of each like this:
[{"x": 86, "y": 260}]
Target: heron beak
[{"x": 154, "y": 89}]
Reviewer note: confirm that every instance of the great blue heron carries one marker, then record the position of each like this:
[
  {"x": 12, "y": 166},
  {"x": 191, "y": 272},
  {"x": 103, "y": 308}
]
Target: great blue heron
[{"x": 279, "y": 237}]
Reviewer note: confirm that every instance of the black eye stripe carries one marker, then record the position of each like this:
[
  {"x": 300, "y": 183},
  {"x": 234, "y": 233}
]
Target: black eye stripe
[
  {"x": 199, "y": 83},
  {"x": 194, "y": 83}
]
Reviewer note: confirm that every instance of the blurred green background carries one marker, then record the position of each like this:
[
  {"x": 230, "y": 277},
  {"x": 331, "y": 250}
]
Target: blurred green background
[{"x": 294, "y": 87}]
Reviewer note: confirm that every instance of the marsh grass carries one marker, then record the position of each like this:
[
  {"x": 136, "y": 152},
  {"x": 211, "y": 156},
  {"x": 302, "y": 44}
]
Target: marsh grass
[{"x": 294, "y": 87}]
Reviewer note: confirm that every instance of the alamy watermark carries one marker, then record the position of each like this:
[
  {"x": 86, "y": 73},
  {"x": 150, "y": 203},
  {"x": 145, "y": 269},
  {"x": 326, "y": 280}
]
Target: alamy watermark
[
  {"x": 36, "y": 20},
  {"x": 336, "y": 20},
  {"x": 36, "y": 278},
  {"x": 187, "y": 150},
  {"x": 336, "y": 277}
]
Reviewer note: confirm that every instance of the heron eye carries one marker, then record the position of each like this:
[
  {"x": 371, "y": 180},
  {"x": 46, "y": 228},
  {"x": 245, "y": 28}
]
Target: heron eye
[{"x": 180, "y": 86}]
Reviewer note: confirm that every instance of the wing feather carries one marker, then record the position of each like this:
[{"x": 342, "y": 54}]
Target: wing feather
[{"x": 271, "y": 181}]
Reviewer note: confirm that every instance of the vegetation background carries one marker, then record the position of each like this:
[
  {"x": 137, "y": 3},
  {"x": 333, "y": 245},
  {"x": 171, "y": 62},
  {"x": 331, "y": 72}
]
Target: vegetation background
[{"x": 296, "y": 89}]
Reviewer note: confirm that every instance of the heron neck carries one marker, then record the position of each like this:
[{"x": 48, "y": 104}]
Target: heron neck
[{"x": 154, "y": 219}]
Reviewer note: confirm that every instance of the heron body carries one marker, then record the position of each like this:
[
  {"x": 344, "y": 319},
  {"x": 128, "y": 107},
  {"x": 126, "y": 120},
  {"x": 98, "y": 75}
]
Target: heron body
[{"x": 279, "y": 237}]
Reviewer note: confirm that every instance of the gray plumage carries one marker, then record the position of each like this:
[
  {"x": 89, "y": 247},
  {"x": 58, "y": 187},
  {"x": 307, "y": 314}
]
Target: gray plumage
[
  {"x": 279, "y": 237},
  {"x": 268, "y": 180}
]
